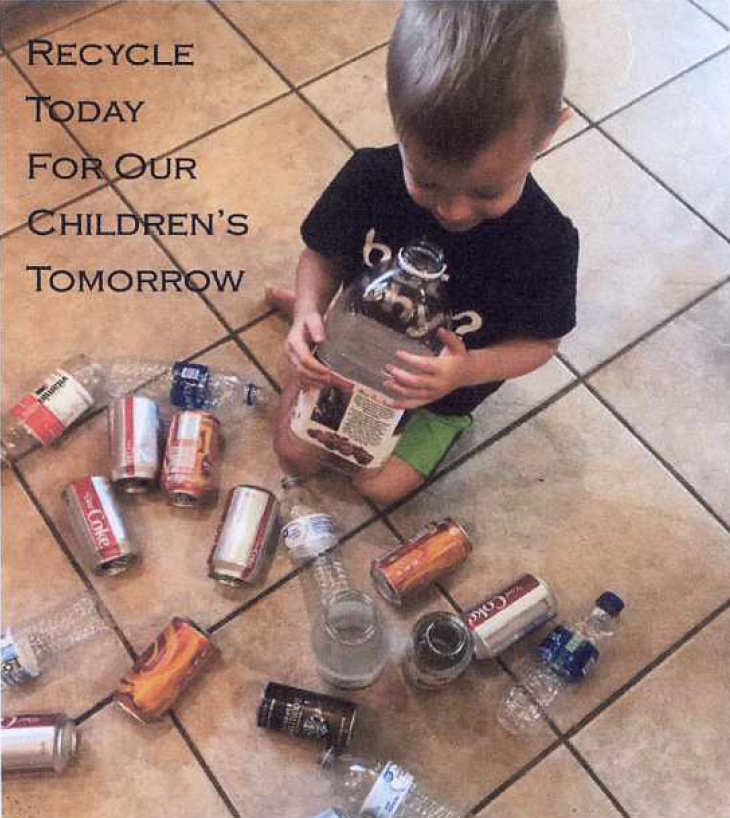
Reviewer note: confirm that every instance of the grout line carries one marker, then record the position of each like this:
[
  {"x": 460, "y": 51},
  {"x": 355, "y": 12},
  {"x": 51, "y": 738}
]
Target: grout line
[
  {"x": 645, "y": 335},
  {"x": 707, "y": 13},
  {"x": 284, "y": 78},
  {"x": 72, "y": 559},
  {"x": 67, "y": 24},
  {"x": 664, "y": 462},
  {"x": 244, "y": 606},
  {"x": 617, "y": 805},
  {"x": 243, "y": 346},
  {"x": 94, "y": 709},
  {"x": 349, "y": 61},
  {"x": 204, "y": 764},
  {"x": 514, "y": 778}
]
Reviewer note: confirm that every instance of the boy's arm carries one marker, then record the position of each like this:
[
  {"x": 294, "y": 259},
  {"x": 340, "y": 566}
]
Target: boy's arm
[
  {"x": 432, "y": 378},
  {"x": 317, "y": 281}
]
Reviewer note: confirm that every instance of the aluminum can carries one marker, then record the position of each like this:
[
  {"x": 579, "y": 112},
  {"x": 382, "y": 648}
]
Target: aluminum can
[
  {"x": 502, "y": 619},
  {"x": 165, "y": 669},
  {"x": 99, "y": 526},
  {"x": 191, "y": 457},
  {"x": 307, "y": 715},
  {"x": 134, "y": 445},
  {"x": 439, "y": 650},
  {"x": 245, "y": 534},
  {"x": 415, "y": 564},
  {"x": 38, "y": 742}
]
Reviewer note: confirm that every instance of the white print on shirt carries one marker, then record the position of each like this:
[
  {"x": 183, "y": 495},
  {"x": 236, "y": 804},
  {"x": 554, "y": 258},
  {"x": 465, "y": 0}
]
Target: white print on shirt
[{"x": 475, "y": 320}]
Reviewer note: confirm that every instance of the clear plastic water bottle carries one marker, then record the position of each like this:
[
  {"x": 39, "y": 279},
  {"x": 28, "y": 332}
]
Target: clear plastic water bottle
[
  {"x": 566, "y": 656},
  {"x": 28, "y": 648},
  {"x": 397, "y": 305},
  {"x": 379, "y": 789},
  {"x": 43, "y": 415},
  {"x": 348, "y": 640}
]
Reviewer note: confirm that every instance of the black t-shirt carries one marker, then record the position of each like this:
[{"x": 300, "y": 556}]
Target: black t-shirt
[{"x": 510, "y": 277}]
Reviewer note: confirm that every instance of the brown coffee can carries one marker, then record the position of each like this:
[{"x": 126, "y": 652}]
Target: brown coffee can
[
  {"x": 415, "y": 564},
  {"x": 165, "y": 669},
  {"x": 306, "y": 714}
]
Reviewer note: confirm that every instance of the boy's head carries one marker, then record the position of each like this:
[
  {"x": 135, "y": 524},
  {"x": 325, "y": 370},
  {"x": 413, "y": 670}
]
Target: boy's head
[{"x": 475, "y": 89}]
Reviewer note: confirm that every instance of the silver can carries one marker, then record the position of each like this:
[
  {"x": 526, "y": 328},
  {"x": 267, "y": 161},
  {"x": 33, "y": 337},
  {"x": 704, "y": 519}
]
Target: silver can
[
  {"x": 98, "y": 524},
  {"x": 502, "y": 619},
  {"x": 38, "y": 742},
  {"x": 134, "y": 443},
  {"x": 245, "y": 534}
]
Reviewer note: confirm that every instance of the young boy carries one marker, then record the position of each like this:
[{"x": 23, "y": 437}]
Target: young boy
[{"x": 475, "y": 90}]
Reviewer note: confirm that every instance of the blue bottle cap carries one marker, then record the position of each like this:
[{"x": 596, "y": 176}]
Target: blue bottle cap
[{"x": 611, "y": 603}]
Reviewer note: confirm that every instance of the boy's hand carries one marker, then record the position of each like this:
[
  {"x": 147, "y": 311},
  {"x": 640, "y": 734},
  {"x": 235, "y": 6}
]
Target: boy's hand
[
  {"x": 307, "y": 330},
  {"x": 430, "y": 378}
]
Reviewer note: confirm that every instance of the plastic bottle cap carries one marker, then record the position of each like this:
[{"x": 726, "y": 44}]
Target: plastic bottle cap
[{"x": 611, "y": 603}]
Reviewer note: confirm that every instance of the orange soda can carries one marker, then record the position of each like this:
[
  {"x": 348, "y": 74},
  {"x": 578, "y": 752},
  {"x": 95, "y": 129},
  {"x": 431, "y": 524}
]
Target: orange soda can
[
  {"x": 415, "y": 564},
  {"x": 191, "y": 457},
  {"x": 164, "y": 670}
]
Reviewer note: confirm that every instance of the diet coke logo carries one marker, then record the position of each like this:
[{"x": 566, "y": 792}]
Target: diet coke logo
[
  {"x": 97, "y": 521},
  {"x": 500, "y": 601}
]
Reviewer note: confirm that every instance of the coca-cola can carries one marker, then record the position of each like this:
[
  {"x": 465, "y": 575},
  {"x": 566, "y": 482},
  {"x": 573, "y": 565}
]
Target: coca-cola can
[
  {"x": 306, "y": 714},
  {"x": 165, "y": 669},
  {"x": 415, "y": 564},
  {"x": 191, "y": 457},
  {"x": 134, "y": 446},
  {"x": 500, "y": 620},
  {"x": 37, "y": 742},
  {"x": 245, "y": 534},
  {"x": 98, "y": 525}
]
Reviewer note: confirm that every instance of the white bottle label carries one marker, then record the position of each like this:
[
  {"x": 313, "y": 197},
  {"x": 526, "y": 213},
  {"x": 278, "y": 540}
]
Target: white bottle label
[
  {"x": 308, "y": 536},
  {"x": 389, "y": 792},
  {"x": 51, "y": 408}
]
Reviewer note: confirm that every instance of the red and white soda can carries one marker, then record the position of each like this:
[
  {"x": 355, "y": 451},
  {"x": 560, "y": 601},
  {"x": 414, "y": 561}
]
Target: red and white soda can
[
  {"x": 98, "y": 524},
  {"x": 190, "y": 465},
  {"x": 502, "y": 619},
  {"x": 134, "y": 444}
]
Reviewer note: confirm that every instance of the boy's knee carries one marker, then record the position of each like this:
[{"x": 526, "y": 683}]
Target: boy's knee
[{"x": 387, "y": 485}]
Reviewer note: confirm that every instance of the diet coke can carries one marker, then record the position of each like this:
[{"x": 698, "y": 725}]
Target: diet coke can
[
  {"x": 515, "y": 611},
  {"x": 134, "y": 446},
  {"x": 37, "y": 742},
  {"x": 191, "y": 457},
  {"x": 98, "y": 524},
  {"x": 244, "y": 535}
]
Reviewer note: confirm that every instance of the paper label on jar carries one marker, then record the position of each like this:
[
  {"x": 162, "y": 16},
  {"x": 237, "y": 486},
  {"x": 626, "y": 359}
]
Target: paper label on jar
[
  {"x": 389, "y": 792},
  {"x": 348, "y": 419},
  {"x": 51, "y": 408},
  {"x": 309, "y": 536}
]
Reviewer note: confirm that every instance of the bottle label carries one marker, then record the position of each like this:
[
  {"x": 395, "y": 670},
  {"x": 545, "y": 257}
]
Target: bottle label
[
  {"x": 568, "y": 653},
  {"x": 308, "y": 536},
  {"x": 50, "y": 409},
  {"x": 348, "y": 419},
  {"x": 388, "y": 793},
  {"x": 13, "y": 672}
]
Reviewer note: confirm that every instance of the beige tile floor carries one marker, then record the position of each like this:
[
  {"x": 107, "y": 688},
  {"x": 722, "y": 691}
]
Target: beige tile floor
[{"x": 607, "y": 468}]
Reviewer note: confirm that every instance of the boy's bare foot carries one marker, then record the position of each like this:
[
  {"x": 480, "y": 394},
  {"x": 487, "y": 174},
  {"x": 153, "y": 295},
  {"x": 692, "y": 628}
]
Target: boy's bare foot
[{"x": 281, "y": 298}]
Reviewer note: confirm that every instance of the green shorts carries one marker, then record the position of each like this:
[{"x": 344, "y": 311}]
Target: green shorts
[{"x": 427, "y": 437}]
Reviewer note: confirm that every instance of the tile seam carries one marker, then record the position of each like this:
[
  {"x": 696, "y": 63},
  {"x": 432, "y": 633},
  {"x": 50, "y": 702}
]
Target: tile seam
[
  {"x": 206, "y": 768},
  {"x": 618, "y": 806},
  {"x": 708, "y": 14},
  {"x": 67, "y": 25}
]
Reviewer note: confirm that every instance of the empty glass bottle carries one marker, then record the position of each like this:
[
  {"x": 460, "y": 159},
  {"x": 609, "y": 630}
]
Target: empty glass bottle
[
  {"x": 439, "y": 650},
  {"x": 566, "y": 656}
]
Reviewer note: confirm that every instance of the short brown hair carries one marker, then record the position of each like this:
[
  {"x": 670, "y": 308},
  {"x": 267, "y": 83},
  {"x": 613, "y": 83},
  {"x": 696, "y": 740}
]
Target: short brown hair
[{"x": 461, "y": 72}]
